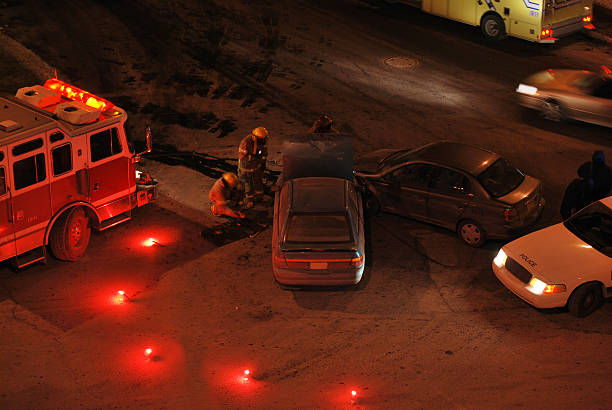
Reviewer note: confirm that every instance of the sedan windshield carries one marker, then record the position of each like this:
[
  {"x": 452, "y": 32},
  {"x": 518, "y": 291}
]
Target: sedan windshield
[
  {"x": 501, "y": 178},
  {"x": 318, "y": 228},
  {"x": 593, "y": 224}
]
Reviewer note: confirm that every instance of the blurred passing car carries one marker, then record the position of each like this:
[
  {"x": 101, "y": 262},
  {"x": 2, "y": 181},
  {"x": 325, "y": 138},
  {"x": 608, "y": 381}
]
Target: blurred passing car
[
  {"x": 318, "y": 231},
  {"x": 577, "y": 94},
  {"x": 474, "y": 192},
  {"x": 567, "y": 264}
]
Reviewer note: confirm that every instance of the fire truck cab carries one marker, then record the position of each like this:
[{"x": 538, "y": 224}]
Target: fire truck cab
[{"x": 65, "y": 168}]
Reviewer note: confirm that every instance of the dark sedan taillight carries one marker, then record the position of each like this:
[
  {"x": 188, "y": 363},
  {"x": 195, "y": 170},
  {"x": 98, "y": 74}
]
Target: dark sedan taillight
[{"x": 314, "y": 261}]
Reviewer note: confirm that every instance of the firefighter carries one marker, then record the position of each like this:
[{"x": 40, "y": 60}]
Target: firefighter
[
  {"x": 252, "y": 155},
  {"x": 226, "y": 194},
  {"x": 322, "y": 125}
]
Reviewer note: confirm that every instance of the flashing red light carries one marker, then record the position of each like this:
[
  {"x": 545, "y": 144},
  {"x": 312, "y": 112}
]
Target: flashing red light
[
  {"x": 354, "y": 394},
  {"x": 120, "y": 297},
  {"x": 247, "y": 372},
  {"x": 148, "y": 351},
  {"x": 587, "y": 19},
  {"x": 76, "y": 94}
]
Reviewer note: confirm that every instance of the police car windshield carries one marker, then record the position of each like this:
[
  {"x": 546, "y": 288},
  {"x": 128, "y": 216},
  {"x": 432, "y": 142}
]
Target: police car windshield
[
  {"x": 318, "y": 228},
  {"x": 593, "y": 225},
  {"x": 501, "y": 178}
]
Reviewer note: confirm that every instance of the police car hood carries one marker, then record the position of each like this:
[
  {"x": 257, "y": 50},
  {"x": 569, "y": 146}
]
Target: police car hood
[
  {"x": 554, "y": 254},
  {"x": 568, "y": 80},
  {"x": 318, "y": 155}
]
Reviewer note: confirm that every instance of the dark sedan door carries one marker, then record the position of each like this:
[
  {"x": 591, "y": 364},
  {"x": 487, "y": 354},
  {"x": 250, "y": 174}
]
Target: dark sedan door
[
  {"x": 405, "y": 190},
  {"x": 449, "y": 197}
]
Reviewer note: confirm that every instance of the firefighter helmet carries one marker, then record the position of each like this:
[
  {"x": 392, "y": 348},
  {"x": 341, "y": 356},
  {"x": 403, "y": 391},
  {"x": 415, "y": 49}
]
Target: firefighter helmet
[
  {"x": 230, "y": 179},
  {"x": 260, "y": 132}
]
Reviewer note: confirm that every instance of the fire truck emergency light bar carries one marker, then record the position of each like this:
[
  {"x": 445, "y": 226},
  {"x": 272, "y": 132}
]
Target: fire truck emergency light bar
[{"x": 76, "y": 94}]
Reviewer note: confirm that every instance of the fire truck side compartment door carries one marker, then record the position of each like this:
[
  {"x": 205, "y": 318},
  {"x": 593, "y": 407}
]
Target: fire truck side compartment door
[
  {"x": 31, "y": 196},
  {"x": 7, "y": 231},
  {"x": 66, "y": 183}
]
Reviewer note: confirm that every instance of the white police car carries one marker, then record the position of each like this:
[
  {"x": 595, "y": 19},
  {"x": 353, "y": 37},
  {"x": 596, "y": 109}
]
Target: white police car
[{"x": 567, "y": 264}]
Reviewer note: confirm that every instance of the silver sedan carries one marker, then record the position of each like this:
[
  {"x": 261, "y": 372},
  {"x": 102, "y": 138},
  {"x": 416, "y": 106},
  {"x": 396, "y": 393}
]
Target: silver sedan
[{"x": 569, "y": 94}]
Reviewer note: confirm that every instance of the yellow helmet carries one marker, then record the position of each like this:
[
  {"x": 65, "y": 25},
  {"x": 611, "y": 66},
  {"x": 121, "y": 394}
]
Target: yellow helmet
[
  {"x": 260, "y": 132},
  {"x": 230, "y": 178}
]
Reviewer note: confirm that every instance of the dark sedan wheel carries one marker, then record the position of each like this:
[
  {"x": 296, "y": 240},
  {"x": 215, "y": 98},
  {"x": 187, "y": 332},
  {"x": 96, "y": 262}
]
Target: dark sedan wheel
[
  {"x": 585, "y": 300},
  {"x": 471, "y": 233},
  {"x": 551, "y": 110}
]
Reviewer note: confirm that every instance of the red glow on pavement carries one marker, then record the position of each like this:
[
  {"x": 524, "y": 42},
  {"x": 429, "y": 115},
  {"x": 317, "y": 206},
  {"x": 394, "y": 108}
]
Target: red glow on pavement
[
  {"x": 149, "y": 242},
  {"x": 119, "y": 298}
]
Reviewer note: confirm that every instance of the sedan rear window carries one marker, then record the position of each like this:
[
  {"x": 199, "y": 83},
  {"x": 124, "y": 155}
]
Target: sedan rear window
[
  {"x": 318, "y": 228},
  {"x": 501, "y": 178}
]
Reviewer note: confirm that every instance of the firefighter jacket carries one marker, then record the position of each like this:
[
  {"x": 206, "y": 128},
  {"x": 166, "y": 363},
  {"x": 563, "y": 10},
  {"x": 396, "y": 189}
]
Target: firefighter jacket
[
  {"x": 222, "y": 195},
  {"x": 252, "y": 154}
]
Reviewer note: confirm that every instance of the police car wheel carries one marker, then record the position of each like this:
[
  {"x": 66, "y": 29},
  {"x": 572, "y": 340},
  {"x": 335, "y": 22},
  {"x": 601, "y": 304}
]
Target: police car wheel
[
  {"x": 585, "y": 300},
  {"x": 70, "y": 235},
  {"x": 471, "y": 233},
  {"x": 493, "y": 27}
]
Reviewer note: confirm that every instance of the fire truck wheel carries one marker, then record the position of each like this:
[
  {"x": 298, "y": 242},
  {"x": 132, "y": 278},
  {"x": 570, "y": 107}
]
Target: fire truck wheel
[
  {"x": 70, "y": 235},
  {"x": 493, "y": 27}
]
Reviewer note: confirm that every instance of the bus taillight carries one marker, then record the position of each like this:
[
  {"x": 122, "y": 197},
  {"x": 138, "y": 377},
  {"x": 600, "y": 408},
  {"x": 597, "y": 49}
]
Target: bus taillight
[
  {"x": 587, "y": 19},
  {"x": 546, "y": 33}
]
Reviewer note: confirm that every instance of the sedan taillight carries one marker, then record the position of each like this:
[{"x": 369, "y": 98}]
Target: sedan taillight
[{"x": 511, "y": 214}]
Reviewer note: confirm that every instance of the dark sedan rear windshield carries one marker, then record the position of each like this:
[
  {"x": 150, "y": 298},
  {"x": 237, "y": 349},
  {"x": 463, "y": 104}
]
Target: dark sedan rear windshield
[
  {"x": 501, "y": 178},
  {"x": 318, "y": 228},
  {"x": 593, "y": 225}
]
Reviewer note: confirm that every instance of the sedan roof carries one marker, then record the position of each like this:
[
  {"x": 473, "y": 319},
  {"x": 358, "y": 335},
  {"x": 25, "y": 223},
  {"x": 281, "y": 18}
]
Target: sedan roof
[
  {"x": 318, "y": 194},
  {"x": 464, "y": 157}
]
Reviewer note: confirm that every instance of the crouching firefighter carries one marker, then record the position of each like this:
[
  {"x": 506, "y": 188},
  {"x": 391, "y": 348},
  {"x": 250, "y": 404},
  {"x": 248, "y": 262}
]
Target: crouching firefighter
[
  {"x": 252, "y": 155},
  {"x": 225, "y": 195}
]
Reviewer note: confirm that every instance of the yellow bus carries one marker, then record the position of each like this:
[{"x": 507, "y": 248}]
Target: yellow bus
[{"x": 541, "y": 21}]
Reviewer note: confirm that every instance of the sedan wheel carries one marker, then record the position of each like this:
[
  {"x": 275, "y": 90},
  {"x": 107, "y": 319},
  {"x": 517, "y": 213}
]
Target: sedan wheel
[
  {"x": 471, "y": 233},
  {"x": 551, "y": 110},
  {"x": 585, "y": 300}
]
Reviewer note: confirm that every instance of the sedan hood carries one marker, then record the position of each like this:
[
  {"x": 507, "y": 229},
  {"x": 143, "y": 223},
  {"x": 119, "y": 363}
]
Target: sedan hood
[
  {"x": 557, "y": 79},
  {"x": 371, "y": 163},
  {"x": 554, "y": 254}
]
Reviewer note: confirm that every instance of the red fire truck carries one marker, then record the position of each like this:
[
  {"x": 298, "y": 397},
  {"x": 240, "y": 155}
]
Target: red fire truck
[{"x": 65, "y": 168}]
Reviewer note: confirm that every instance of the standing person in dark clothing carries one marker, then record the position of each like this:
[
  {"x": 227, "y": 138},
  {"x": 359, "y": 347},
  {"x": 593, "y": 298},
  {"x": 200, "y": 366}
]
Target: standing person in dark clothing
[
  {"x": 579, "y": 193},
  {"x": 599, "y": 175}
]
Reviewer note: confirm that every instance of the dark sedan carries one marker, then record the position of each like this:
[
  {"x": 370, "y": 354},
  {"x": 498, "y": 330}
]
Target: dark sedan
[
  {"x": 318, "y": 232},
  {"x": 472, "y": 191}
]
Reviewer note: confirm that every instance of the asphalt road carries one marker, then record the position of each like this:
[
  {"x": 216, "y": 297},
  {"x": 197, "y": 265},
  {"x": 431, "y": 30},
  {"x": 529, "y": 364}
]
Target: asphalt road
[{"x": 429, "y": 326}]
